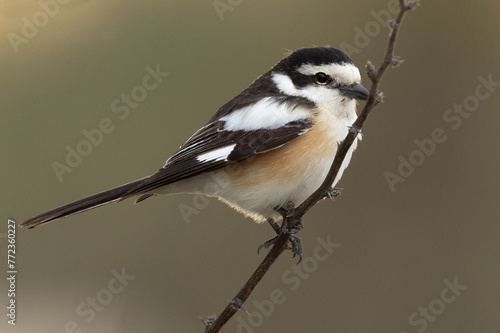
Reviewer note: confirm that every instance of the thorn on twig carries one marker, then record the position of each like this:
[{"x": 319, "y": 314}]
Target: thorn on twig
[
  {"x": 237, "y": 304},
  {"x": 411, "y": 4},
  {"x": 393, "y": 24},
  {"x": 332, "y": 192},
  {"x": 380, "y": 97},
  {"x": 210, "y": 320},
  {"x": 371, "y": 71},
  {"x": 395, "y": 61},
  {"x": 354, "y": 129}
]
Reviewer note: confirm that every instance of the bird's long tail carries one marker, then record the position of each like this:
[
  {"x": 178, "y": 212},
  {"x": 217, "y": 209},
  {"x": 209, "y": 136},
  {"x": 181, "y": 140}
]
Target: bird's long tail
[{"x": 93, "y": 201}]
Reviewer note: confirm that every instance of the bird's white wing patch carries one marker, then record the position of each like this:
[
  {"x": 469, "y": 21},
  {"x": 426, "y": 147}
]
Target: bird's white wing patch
[
  {"x": 285, "y": 84},
  {"x": 268, "y": 113},
  {"x": 215, "y": 155}
]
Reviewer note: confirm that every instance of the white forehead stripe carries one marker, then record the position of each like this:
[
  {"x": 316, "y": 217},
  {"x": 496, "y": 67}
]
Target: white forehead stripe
[
  {"x": 267, "y": 113},
  {"x": 215, "y": 155},
  {"x": 345, "y": 73}
]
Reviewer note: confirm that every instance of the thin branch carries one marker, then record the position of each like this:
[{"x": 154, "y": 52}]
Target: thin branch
[
  {"x": 250, "y": 285},
  {"x": 215, "y": 324},
  {"x": 374, "y": 98}
]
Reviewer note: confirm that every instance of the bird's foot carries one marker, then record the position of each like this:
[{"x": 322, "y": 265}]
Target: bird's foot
[{"x": 289, "y": 226}]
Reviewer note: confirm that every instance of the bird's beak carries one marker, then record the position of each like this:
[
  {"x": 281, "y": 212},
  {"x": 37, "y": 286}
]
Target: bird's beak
[{"x": 356, "y": 91}]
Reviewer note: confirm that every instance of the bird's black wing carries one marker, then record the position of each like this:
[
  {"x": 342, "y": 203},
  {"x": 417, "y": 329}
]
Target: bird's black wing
[{"x": 213, "y": 147}]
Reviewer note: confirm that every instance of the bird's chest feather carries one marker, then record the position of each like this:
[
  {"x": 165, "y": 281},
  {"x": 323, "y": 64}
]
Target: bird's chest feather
[{"x": 296, "y": 170}]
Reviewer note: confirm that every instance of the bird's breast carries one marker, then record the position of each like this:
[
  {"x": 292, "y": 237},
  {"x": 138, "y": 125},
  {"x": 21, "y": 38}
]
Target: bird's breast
[{"x": 289, "y": 173}]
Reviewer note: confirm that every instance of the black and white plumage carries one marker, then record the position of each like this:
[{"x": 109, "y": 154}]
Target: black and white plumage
[{"x": 271, "y": 144}]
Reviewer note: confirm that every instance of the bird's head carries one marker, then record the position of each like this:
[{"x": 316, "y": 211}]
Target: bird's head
[{"x": 323, "y": 75}]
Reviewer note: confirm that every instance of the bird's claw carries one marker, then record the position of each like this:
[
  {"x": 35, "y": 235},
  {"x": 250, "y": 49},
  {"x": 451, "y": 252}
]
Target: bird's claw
[
  {"x": 295, "y": 241},
  {"x": 286, "y": 212},
  {"x": 286, "y": 228},
  {"x": 267, "y": 244}
]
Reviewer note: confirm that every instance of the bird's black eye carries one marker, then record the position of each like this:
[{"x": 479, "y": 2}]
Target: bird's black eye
[{"x": 322, "y": 78}]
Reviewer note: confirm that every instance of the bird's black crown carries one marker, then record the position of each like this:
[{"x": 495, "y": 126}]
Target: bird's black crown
[{"x": 314, "y": 56}]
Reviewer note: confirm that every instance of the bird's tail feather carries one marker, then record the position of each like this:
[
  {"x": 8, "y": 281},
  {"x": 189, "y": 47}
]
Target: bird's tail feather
[{"x": 93, "y": 201}]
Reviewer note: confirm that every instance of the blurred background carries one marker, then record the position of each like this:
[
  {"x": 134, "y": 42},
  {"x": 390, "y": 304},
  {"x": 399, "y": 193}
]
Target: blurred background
[{"x": 413, "y": 239}]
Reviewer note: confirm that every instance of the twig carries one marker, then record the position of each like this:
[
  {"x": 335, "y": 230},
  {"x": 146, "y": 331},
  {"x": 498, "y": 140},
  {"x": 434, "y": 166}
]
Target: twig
[{"x": 374, "y": 98}]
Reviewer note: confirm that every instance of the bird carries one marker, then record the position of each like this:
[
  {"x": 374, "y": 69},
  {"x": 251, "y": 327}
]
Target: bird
[{"x": 270, "y": 146}]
